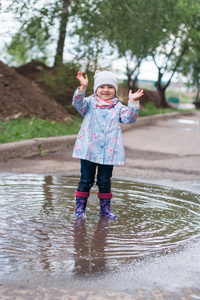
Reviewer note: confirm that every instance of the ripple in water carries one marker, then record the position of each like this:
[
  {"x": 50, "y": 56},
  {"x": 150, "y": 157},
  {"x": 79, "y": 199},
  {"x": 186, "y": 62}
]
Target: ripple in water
[{"x": 40, "y": 234}]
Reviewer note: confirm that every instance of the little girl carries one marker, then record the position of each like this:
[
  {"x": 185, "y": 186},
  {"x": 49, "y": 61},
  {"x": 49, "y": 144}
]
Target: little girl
[{"x": 99, "y": 144}]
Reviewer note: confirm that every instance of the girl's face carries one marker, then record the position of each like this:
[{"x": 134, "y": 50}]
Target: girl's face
[{"x": 106, "y": 92}]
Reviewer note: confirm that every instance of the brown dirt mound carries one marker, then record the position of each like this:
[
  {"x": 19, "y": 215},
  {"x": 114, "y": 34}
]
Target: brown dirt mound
[
  {"x": 57, "y": 83},
  {"x": 21, "y": 97},
  {"x": 31, "y": 70}
]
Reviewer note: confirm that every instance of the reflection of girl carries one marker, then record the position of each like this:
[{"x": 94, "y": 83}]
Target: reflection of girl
[
  {"x": 90, "y": 255},
  {"x": 99, "y": 144}
]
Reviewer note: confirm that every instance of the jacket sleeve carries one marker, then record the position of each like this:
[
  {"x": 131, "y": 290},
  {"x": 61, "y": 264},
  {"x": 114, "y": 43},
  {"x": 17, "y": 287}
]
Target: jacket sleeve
[
  {"x": 80, "y": 102},
  {"x": 129, "y": 114}
]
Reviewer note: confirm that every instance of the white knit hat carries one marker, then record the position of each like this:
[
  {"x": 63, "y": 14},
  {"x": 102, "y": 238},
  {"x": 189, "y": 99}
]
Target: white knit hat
[{"x": 105, "y": 77}]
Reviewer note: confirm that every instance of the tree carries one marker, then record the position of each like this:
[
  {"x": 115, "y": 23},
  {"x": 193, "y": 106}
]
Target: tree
[
  {"x": 190, "y": 64},
  {"x": 38, "y": 17},
  {"x": 135, "y": 29},
  {"x": 31, "y": 41},
  {"x": 133, "y": 32},
  {"x": 122, "y": 25},
  {"x": 180, "y": 32},
  {"x": 132, "y": 72},
  {"x": 190, "y": 67},
  {"x": 170, "y": 63},
  {"x": 90, "y": 33},
  {"x": 89, "y": 38}
]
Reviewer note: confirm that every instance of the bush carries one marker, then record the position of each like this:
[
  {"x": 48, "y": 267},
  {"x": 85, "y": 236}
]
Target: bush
[{"x": 61, "y": 82}]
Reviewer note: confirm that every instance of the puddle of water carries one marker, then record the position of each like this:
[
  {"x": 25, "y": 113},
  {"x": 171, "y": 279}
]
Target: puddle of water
[
  {"x": 187, "y": 122},
  {"x": 185, "y": 106},
  {"x": 39, "y": 233}
]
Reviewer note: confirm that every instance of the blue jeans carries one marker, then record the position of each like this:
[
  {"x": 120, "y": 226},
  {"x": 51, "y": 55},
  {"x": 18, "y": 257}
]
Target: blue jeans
[{"x": 88, "y": 171}]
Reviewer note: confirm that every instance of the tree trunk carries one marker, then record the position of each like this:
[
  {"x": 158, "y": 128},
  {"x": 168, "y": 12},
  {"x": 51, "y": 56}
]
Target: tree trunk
[
  {"x": 62, "y": 33},
  {"x": 163, "y": 101},
  {"x": 161, "y": 90},
  {"x": 132, "y": 83},
  {"x": 128, "y": 81},
  {"x": 197, "y": 96}
]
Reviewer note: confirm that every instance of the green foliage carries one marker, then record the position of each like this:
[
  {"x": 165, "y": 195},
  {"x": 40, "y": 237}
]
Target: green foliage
[
  {"x": 30, "y": 42},
  {"x": 42, "y": 23},
  {"x": 190, "y": 67},
  {"x": 91, "y": 31},
  {"x": 135, "y": 25},
  {"x": 34, "y": 35},
  {"x": 181, "y": 26},
  {"x": 23, "y": 129},
  {"x": 133, "y": 38}
]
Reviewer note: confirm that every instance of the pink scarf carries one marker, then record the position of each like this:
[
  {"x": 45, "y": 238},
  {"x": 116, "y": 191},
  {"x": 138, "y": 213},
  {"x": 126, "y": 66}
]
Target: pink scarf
[{"x": 106, "y": 104}]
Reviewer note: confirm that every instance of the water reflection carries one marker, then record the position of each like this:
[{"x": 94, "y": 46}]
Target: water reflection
[
  {"x": 90, "y": 255},
  {"x": 40, "y": 234},
  {"x": 193, "y": 125},
  {"x": 48, "y": 203}
]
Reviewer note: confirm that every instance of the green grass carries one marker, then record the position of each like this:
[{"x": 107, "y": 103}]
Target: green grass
[
  {"x": 150, "y": 110},
  {"x": 24, "y": 129}
]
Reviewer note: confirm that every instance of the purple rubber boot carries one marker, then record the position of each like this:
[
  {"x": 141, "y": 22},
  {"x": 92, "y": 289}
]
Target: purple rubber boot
[
  {"x": 81, "y": 202},
  {"x": 105, "y": 199}
]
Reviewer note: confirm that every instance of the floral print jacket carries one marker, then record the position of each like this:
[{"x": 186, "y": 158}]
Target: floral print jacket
[{"x": 100, "y": 137}]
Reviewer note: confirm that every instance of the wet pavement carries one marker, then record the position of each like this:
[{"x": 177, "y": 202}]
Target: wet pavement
[{"x": 150, "y": 252}]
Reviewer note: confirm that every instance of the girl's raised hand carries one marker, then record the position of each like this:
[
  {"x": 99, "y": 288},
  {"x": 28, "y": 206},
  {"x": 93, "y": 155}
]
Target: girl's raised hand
[
  {"x": 83, "y": 81},
  {"x": 135, "y": 96}
]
